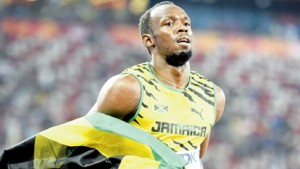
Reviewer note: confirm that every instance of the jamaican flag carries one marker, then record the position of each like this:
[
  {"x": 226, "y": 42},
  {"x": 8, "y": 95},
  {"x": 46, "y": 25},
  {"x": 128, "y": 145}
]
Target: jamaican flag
[{"x": 92, "y": 141}]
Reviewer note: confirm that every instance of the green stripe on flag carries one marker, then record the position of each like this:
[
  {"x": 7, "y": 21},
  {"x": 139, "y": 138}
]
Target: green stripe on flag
[{"x": 160, "y": 151}]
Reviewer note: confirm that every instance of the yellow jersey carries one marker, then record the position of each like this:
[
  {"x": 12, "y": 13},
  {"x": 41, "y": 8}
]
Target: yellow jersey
[{"x": 180, "y": 118}]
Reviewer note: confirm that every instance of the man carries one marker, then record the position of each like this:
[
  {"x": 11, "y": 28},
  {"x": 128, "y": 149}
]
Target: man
[{"x": 164, "y": 97}]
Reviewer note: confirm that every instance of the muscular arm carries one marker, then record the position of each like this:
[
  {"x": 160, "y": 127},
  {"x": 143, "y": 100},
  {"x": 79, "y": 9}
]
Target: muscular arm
[
  {"x": 220, "y": 99},
  {"x": 118, "y": 97}
]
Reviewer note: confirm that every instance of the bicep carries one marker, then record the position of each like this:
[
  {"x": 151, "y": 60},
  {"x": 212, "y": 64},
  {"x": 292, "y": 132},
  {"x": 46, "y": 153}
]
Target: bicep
[
  {"x": 220, "y": 103},
  {"x": 118, "y": 97}
]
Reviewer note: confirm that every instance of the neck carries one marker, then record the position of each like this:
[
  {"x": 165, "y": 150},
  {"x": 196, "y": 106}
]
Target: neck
[{"x": 177, "y": 77}]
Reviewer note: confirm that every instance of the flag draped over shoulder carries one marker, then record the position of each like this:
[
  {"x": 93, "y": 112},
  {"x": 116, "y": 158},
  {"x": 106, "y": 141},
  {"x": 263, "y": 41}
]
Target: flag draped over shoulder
[{"x": 92, "y": 141}]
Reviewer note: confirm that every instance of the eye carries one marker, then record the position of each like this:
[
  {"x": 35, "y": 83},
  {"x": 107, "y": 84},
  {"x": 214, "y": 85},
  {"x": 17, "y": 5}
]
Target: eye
[
  {"x": 187, "y": 24},
  {"x": 169, "y": 23}
]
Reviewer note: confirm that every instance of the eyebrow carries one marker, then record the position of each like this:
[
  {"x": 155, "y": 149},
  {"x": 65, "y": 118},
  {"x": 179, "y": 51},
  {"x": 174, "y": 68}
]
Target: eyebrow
[
  {"x": 172, "y": 16},
  {"x": 175, "y": 17}
]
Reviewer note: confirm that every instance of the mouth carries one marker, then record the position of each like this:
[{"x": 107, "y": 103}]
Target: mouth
[{"x": 184, "y": 40}]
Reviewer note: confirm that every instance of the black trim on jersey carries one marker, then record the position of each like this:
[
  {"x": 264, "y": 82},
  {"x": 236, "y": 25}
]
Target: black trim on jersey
[
  {"x": 136, "y": 121},
  {"x": 202, "y": 97},
  {"x": 188, "y": 96},
  {"x": 148, "y": 93},
  {"x": 139, "y": 70},
  {"x": 180, "y": 144},
  {"x": 204, "y": 88},
  {"x": 145, "y": 106},
  {"x": 199, "y": 76},
  {"x": 191, "y": 144},
  {"x": 145, "y": 68},
  {"x": 149, "y": 82}
]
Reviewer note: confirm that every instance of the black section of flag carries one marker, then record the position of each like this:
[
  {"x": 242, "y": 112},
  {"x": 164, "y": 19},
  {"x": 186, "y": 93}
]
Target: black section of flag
[
  {"x": 18, "y": 156},
  {"x": 22, "y": 156}
]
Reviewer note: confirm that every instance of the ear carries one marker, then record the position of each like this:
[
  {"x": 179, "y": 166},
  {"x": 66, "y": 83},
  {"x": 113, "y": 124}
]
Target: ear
[{"x": 147, "y": 40}]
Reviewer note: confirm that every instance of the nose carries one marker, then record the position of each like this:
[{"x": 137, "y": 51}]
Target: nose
[{"x": 182, "y": 28}]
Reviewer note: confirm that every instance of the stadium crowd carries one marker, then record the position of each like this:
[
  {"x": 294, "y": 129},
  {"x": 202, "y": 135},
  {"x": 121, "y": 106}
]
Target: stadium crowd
[{"x": 50, "y": 73}]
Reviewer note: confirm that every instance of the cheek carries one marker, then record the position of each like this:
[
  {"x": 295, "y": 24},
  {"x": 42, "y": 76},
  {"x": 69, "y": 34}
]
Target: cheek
[
  {"x": 165, "y": 39},
  {"x": 165, "y": 44}
]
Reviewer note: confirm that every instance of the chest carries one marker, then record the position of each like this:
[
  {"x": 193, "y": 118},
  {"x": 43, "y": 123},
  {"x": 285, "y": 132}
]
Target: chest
[{"x": 176, "y": 107}]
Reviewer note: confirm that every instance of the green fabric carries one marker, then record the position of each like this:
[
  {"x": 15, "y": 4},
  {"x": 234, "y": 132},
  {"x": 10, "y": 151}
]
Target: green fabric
[{"x": 161, "y": 152}]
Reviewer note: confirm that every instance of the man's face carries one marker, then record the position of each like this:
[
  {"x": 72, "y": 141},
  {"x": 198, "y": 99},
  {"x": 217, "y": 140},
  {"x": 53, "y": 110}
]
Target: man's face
[{"x": 172, "y": 33}]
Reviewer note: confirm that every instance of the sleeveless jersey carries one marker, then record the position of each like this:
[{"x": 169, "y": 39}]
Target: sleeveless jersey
[{"x": 180, "y": 118}]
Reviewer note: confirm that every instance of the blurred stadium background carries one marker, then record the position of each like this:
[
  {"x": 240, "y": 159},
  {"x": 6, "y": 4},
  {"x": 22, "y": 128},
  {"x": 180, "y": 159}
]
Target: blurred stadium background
[{"x": 56, "y": 54}]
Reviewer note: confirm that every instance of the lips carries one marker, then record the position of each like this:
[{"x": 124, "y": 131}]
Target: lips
[{"x": 184, "y": 39}]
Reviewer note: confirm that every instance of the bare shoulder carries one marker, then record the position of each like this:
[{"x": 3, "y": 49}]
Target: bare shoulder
[
  {"x": 220, "y": 99},
  {"x": 119, "y": 96},
  {"x": 123, "y": 83}
]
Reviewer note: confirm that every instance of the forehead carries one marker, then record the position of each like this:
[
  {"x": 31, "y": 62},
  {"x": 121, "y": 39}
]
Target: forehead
[{"x": 166, "y": 11}]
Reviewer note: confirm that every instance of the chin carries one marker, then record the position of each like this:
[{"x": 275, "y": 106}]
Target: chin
[
  {"x": 185, "y": 50},
  {"x": 178, "y": 58}
]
